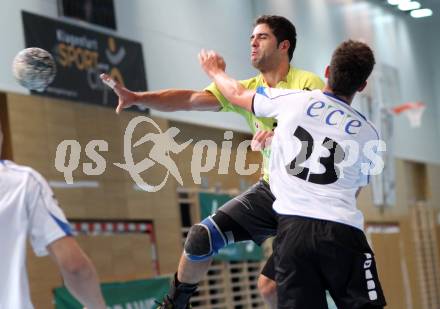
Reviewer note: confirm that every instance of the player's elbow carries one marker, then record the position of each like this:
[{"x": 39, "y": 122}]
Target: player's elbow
[
  {"x": 201, "y": 101},
  {"x": 236, "y": 93},
  {"x": 80, "y": 266}
]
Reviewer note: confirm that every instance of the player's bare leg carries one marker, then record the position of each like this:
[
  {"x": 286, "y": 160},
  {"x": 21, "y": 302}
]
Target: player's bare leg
[
  {"x": 206, "y": 238},
  {"x": 193, "y": 265},
  {"x": 268, "y": 291},
  {"x": 192, "y": 271}
]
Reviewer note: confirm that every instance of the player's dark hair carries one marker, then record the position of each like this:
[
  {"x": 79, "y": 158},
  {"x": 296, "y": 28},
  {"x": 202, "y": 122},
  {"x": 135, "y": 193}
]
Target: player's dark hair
[
  {"x": 351, "y": 64},
  {"x": 282, "y": 28}
]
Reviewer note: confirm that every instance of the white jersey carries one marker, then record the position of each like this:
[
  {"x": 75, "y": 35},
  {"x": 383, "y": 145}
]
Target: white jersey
[
  {"x": 321, "y": 153},
  {"x": 27, "y": 208}
]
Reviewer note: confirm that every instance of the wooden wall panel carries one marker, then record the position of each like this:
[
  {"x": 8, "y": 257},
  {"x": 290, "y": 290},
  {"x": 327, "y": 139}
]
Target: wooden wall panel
[
  {"x": 388, "y": 255},
  {"x": 423, "y": 223},
  {"x": 409, "y": 249},
  {"x": 119, "y": 257},
  {"x": 224, "y": 182},
  {"x": 373, "y": 213},
  {"x": 433, "y": 192},
  {"x": 116, "y": 258},
  {"x": 38, "y": 125},
  {"x": 5, "y": 134},
  {"x": 417, "y": 179},
  {"x": 43, "y": 277}
]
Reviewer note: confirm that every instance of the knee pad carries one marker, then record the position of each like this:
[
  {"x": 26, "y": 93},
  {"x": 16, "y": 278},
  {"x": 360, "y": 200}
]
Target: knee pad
[{"x": 204, "y": 240}]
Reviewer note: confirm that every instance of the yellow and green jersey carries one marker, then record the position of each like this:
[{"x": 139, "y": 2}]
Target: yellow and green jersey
[{"x": 295, "y": 79}]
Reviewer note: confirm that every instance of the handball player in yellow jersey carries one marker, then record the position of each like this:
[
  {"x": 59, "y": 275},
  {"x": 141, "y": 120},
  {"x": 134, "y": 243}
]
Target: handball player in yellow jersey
[{"x": 249, "y": 216}]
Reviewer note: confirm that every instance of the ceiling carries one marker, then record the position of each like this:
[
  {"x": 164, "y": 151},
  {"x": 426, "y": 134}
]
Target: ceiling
[{"x": 434, "y": 5}]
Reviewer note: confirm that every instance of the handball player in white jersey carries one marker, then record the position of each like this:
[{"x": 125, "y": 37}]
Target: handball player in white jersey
[
  {"x": 316, "y": 178},
  {"x": 28, "y": 209}
]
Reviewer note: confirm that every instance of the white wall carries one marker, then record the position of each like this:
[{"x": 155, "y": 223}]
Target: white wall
[
  {"x": 12, "y": 37},
  {"x": 435, "y": 52},
  {"x": 411, "y": 46},
  {"x": 172, "y": 33}
]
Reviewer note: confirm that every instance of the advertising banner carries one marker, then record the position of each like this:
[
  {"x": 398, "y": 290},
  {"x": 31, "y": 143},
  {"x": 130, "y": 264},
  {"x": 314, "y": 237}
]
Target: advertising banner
[
  {"x": 81, "y": 55},
  {"x": 121, "y": 295}
]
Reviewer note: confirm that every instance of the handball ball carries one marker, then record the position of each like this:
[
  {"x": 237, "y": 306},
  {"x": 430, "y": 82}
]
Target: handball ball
[{"x": 34, "y": 68}]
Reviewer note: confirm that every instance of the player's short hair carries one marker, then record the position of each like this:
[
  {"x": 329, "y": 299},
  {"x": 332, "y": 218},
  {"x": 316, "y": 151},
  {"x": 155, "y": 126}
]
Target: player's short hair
[
  {"x": 351, "y": 64},
  {"x": 282, "y": 28}
]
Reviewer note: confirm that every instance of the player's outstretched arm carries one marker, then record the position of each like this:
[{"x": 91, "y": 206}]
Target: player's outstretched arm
[
  {"x": 213, "y": 65},
  {"x": 168, "y": 100},
  {"x": 78, "y": 272}
]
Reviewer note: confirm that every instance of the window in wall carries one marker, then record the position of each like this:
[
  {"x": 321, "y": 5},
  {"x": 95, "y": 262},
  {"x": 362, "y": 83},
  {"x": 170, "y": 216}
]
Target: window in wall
[{"x": 97, "y": 12}]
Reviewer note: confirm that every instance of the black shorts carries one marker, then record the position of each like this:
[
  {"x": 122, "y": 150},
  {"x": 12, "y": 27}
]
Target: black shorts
[
  {"x": 253, "y": 212},
  {"x": 269, "y": 268},
  {"x": 313, "y": 255}
]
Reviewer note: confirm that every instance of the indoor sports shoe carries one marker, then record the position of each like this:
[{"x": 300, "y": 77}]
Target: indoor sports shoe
[
  {"x": 167, "y": 303},
  {"x": 179, "y": 295}
]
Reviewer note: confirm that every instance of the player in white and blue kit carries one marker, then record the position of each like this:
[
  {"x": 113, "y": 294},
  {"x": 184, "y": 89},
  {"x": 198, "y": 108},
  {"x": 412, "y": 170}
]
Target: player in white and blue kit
[
  {"x": 28, "y": 209},
  {"x": 309, "y": 154},
  {"x": 322, "y": 154}
]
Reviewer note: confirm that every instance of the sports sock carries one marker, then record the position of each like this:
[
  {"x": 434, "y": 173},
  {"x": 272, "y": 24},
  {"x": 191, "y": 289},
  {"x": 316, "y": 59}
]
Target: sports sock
[{"x": 180, "y": 293}]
